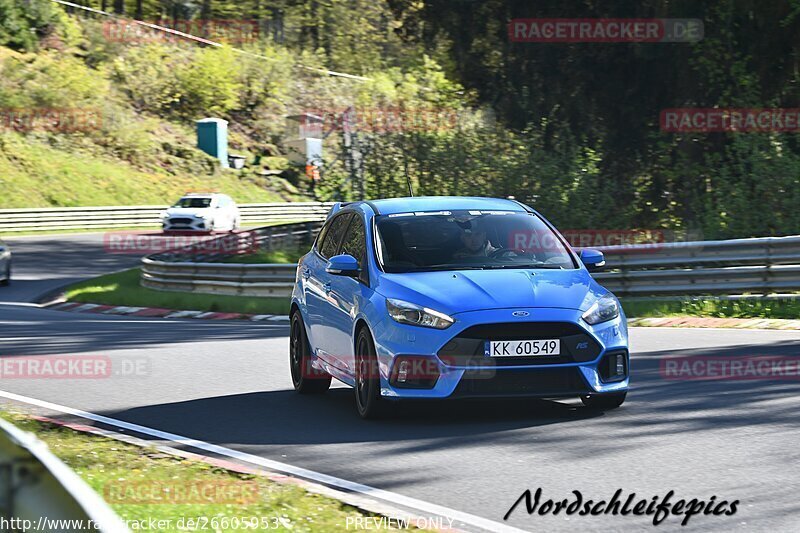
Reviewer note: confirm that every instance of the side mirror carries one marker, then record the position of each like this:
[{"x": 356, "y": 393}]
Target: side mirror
[
  {"x": 593, "y": 259},
  {"x": 343, "y": 265}
]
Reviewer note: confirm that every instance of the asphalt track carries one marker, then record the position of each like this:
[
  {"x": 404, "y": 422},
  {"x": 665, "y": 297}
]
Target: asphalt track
[{"x": 227, "y": 383}]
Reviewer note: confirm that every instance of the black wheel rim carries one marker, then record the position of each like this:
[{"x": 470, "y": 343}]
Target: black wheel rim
[
  {"x": 295, "y": 352},
  {"x": 362, "y": 373}
]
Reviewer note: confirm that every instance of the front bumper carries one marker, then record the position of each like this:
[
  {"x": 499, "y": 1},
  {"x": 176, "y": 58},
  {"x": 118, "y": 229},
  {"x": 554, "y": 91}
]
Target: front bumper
[
  {"x": 186, "y": 223},
  {"x": 456, "y": 354}
]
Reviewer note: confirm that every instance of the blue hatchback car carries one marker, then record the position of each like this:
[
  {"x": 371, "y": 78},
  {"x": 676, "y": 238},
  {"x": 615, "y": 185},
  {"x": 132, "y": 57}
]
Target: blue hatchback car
[{"x": 451, "y": 297}]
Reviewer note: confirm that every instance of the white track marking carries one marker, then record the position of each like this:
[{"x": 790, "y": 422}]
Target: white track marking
[{"x": 397, "y": 499}]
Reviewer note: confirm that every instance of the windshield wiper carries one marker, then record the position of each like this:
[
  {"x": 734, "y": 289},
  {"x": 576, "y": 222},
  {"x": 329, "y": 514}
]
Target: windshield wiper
[
  {"x": 546, "y": 266},
  {"x": 432, "y": 268}
]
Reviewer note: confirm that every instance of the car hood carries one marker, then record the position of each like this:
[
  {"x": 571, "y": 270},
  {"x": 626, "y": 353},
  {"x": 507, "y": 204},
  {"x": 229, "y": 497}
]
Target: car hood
[
  {"x": 459, "y": 291},
  {"x": 188, "y": 211}
]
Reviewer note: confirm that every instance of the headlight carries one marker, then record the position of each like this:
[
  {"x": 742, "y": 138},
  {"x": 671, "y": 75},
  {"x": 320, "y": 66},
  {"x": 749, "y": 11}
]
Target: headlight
[
  {"x": 416, "y": 315},
  {"x": 603, "y": 310}
]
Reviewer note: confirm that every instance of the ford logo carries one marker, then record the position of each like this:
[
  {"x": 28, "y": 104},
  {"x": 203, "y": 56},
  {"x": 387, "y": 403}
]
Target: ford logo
[{"x": 520, "y": 313}]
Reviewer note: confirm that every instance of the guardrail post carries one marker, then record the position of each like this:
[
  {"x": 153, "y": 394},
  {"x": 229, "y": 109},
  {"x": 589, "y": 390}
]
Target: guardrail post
[
  {"x": 768, "y": 270},
  {"x": 269, "y": 238}
]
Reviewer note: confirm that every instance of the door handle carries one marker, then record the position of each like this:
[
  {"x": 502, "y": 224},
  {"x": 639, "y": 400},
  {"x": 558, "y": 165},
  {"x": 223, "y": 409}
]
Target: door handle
[
  {"x": 327, "y": 287},
  {"x": 306, "y": 273}
]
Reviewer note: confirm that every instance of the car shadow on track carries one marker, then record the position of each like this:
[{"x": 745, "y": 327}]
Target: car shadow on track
[
  {"x": 657, "y": 405},
  {"x": 715, "y": 402},
  {"x": 284, "y": 417}
]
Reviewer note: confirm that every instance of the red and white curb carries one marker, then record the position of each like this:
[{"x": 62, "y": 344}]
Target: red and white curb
[
  {"x": 713, "y": 322},
  {"x": 158, "y": 312}
]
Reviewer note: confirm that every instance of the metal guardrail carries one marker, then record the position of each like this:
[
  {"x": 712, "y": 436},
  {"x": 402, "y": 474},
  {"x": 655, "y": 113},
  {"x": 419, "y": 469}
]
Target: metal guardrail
[
  {"x": 742, "y": 266},
  {"x": 200, "y": 267},
  {"x": 40, "y": 493},
  {"x": 764, "y": 266},
  {"x": 274, "y": 280},
  {"x": 144, "y": 216}
]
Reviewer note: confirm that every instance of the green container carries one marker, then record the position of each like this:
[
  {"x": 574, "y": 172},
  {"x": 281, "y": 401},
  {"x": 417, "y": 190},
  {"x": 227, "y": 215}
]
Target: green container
[{"x": 212, "y": 138}]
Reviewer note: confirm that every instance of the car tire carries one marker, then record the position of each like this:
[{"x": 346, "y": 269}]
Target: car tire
[
  {"x": 7, "y": 276},
  {"x": 369, "y": 403},
  {"x": 305, "y": 378},
  {"x": 604, "y": 401}
]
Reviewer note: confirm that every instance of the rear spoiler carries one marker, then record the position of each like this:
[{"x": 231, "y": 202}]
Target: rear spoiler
[{"x": 336, "y": 208}]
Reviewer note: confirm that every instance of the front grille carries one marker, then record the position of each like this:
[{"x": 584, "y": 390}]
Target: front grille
[
  {"x": 186, "y": 221},
  {"x": 536, "y": 382},
  {"x": 467, "y": 348}
]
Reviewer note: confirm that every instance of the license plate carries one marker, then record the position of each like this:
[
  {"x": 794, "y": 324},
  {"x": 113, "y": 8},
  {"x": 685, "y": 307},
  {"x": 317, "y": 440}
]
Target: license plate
[{"x": 531, "y": 348}]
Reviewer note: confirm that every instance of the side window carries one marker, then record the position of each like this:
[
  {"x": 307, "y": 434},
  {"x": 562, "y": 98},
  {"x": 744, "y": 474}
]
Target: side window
[
  {"x": 332, "y": 238},
  {"x": 355, "y": 244},
  {"x": 321, "y": 236}
]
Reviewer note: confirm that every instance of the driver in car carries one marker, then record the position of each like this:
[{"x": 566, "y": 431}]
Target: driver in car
[{"x": 474, "y": 240}]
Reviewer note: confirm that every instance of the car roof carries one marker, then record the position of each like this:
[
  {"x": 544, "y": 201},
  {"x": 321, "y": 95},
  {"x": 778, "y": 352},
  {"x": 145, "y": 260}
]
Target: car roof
[{"x": 390, "y": 206}]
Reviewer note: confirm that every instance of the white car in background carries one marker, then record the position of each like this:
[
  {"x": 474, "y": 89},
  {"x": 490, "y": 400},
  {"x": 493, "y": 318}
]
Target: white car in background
[
  {"x": 206, "y": 212},
  {"x": 5, "y": 263}
]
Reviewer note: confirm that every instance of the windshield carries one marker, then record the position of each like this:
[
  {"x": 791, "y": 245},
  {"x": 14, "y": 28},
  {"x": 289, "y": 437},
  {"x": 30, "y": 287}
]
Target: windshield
[
  {"x": 196, "y": 203},
  {"x": 457, "y": 240}
]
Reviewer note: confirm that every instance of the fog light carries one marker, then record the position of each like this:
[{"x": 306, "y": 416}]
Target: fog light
[
  {"x": 614, "y": 366},
  {"x": 402, "y": 372},
  {"x": 620, "y": 365},
  {"x": 414, "y": 372}
]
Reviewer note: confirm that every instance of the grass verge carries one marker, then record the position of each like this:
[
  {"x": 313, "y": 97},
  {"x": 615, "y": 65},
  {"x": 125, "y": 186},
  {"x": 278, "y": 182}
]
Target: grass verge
[
  {"x": 142, "y": 484},
  {"x": 122, "y": 288},
  {"x": 755, "y": 308}
]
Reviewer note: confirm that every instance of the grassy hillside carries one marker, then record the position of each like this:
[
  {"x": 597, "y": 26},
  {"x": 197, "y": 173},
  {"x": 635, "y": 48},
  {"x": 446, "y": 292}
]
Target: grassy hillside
[
  {"x": 147, "y": 96},
  {"x": 34, "y": 174},
  {"x": 133, "y": 150}
]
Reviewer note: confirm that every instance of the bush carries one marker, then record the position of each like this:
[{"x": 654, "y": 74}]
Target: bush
[
  {"x": 146, "y": 75},
  {"x": 22, "y": 24},
  {"x": 50, "y": 80},
  {"x": 209, "y": 85}
]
